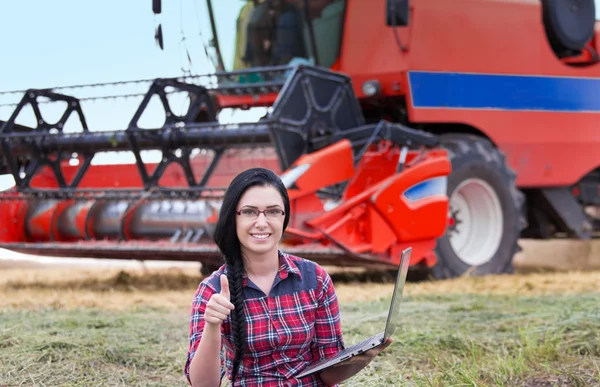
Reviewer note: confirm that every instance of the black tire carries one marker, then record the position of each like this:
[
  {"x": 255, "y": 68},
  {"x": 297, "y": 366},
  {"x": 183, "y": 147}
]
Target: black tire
[{"x": 476, "y": 157}]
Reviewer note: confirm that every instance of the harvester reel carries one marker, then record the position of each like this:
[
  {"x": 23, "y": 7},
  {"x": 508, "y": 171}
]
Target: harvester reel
[
  {"x": 569, "y": 24},
  {"x": 39, "y": 157},
  {"x": 201, "y": 109},
  {"x": 314, "y": 105}
]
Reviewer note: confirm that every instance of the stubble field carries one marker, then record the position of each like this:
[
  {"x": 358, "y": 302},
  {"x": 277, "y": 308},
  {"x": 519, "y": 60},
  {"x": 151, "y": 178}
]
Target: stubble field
[{"x": 62, "y": 326}]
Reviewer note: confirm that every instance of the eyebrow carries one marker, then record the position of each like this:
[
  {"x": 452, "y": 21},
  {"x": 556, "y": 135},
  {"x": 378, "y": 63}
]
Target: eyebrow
[{"x": 271, "y": 206}]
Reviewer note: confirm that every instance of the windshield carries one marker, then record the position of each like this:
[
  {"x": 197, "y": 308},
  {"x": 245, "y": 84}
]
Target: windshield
[
  {"x": 597, "y": 9},
  {"x": 275, "y": 32}
]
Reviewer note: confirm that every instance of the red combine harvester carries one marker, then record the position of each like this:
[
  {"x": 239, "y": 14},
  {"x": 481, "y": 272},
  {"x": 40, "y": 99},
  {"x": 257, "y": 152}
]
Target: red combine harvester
[{"x": 430, "y": 123}]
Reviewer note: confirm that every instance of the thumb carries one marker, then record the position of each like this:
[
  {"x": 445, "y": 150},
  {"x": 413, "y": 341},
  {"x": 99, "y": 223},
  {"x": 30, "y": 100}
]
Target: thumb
[{"x": 224, "y": 286}]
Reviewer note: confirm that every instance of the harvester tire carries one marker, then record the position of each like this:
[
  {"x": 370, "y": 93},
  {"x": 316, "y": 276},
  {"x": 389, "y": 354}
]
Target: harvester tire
[{"x": 485, "y": 205}]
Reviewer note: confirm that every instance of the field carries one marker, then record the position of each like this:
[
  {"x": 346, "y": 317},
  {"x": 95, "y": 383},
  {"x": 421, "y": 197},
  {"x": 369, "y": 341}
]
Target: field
[{"x": 111, "y": 326}]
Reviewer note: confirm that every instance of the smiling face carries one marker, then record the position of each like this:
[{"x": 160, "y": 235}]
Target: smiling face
[{"x": 260, "y": 235}]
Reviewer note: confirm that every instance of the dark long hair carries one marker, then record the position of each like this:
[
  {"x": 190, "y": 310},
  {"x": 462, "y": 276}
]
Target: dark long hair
[{"x": 226, "y": 239}]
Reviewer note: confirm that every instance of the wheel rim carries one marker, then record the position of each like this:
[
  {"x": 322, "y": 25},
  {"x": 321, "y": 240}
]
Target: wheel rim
[{"x": 475, "y": 222}]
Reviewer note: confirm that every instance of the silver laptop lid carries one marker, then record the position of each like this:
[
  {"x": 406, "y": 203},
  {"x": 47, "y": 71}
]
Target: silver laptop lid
[{"x": 394, "y": 313}]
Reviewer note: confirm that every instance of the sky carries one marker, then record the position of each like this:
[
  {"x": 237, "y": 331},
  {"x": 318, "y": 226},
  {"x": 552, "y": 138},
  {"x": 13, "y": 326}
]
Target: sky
[
  {"x": 66, "y": 42},
  {"x": 71, "y": 42}
]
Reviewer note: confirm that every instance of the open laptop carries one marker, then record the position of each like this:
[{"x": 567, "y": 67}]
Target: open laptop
[{"x": 380, "y": 338}]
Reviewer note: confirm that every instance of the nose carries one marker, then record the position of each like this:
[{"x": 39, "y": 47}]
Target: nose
[{"x": 261, "y": 221}]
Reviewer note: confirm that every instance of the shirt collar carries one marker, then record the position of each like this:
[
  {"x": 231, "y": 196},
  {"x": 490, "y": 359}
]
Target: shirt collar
[{"x": 286, "y": 267}]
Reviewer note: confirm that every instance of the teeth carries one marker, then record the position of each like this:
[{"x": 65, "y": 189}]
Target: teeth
[{"x": 261, "y": 236}]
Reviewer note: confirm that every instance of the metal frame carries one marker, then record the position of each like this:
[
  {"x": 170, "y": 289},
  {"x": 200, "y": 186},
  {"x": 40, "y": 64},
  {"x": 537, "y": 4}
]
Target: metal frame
[{"x": 302, "y": 121}]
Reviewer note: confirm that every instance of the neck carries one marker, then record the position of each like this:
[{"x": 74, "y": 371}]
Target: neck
[{"x": 261, "y": 265}]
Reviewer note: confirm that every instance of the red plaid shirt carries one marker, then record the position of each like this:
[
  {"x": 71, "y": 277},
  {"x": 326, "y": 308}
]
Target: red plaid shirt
[{"x": 297, "y": 324}]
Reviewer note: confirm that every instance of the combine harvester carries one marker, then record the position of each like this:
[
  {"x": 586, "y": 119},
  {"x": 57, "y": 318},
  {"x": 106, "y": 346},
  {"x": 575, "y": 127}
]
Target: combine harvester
[{"x": 431, "y": 123}]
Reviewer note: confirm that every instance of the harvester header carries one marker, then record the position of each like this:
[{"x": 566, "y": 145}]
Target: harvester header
[{"x": 360, "y": 192}]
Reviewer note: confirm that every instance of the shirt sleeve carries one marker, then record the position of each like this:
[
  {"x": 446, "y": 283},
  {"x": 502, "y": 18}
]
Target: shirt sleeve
[
  {"x": 201, "y": 298},
  {"x": 328, "y": 339}
]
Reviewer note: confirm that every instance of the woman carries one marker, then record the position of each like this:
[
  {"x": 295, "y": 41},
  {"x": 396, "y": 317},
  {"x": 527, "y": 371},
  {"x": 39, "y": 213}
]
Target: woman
[{"x": 272, "y": 312}]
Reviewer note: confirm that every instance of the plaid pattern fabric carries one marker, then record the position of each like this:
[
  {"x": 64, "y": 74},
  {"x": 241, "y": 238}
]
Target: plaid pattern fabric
[{"x": 294, "y": 326}]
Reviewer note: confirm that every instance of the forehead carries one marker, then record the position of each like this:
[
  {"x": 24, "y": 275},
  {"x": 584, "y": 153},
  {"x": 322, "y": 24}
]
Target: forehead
[{"x": 261, "y": 197}]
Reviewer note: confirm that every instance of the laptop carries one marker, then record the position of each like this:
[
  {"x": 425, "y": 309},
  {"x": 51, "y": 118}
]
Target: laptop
[{"x": 380, "y": 338}]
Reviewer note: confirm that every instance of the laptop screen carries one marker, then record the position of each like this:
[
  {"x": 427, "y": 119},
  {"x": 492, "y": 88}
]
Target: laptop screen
[{"x": 394, "y": 313}]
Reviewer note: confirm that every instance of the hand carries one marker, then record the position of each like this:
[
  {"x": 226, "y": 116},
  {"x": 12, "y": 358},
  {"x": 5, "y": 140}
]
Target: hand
[
  {"x": 369, "y": 355},
  {"x": 219, "y": 306},
  {"x": 365, "y": 358},
  {"x": 348, "y": 368}
]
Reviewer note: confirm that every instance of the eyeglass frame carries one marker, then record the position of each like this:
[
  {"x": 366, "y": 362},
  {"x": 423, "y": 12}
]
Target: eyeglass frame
[{"x": 264, "y": 212}]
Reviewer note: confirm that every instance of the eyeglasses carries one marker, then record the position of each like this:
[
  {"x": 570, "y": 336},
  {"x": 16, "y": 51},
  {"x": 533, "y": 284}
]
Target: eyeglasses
[{"x": 251, "y": 214}]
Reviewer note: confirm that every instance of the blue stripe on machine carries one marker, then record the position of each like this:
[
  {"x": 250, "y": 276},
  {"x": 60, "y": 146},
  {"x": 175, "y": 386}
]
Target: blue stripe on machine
[
  {"x": 436, "y": 186},
  {"x": 504, "y": 92}
]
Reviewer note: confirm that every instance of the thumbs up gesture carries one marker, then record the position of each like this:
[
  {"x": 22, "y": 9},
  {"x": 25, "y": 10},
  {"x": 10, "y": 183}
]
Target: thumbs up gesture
[{"x": 219, "y": 306}]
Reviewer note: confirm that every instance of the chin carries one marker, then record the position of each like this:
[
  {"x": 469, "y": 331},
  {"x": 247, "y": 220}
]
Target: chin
[{"x": 261, "y": 249}]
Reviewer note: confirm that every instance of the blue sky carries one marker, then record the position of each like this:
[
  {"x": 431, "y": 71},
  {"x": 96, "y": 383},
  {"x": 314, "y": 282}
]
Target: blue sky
[
  {"x": 70, "y": 42},
  {"x": 66, "y": 42}
]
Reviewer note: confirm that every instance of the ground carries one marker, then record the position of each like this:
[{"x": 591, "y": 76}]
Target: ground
[{"x": 79, "y": 326}]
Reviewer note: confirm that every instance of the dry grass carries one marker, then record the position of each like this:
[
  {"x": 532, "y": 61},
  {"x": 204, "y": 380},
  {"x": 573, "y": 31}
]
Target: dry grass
[
  {"x": 107, "y": 289},
  {"x": 79, "y": 327},
  {"x": 130, "y": 328},
  {"x": 173, "y": 288}
]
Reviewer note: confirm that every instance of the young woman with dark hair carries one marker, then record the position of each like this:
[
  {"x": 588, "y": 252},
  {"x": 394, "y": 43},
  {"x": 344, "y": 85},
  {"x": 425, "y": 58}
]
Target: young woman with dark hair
[{"x": 274, "y": 313}]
